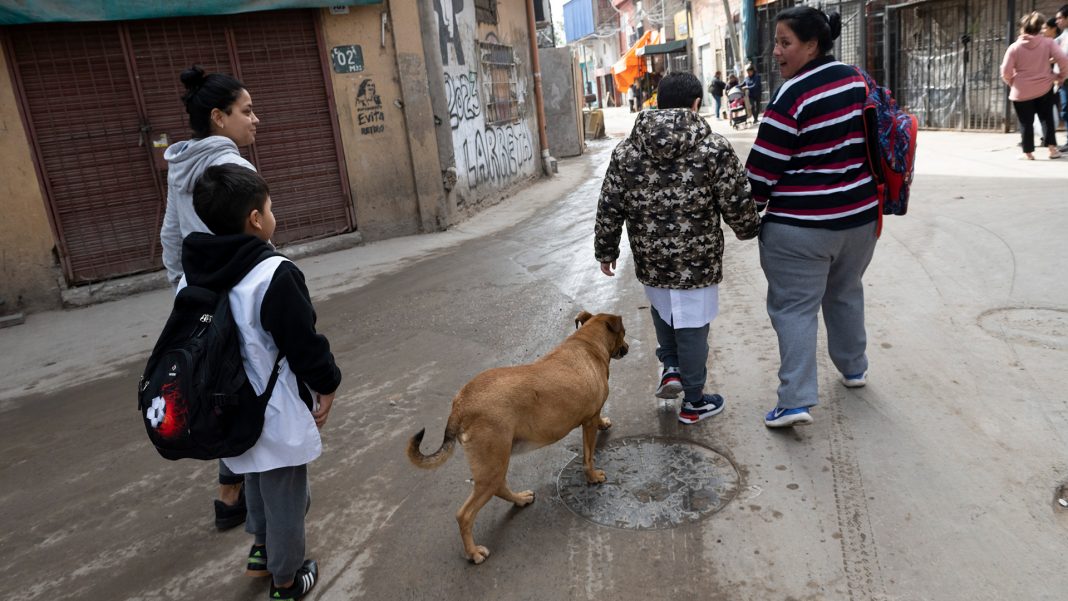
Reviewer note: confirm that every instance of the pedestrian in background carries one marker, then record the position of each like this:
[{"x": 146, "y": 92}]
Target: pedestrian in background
[
  {"x": 809, "y": 168},
  {"x": 1026, "y": 68},
  {"x": 753, "y": 89},
  {"x": 1061, "y": 20},
  {"x": 221, "y": 117},
  {"x": 669, "y": 182},
  {"x": 715, "y": 90}
]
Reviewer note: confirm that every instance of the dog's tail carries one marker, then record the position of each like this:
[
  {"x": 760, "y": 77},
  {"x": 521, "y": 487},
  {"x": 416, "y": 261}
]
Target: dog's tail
[{"x": 436, "y": 458}]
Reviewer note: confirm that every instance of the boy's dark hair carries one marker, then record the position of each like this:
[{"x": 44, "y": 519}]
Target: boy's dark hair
[
  {"x": 678, "y": 90},
  {"x": 809, "y": 23},
  {"x": 206, "y": 92},
  {"x": 1063, "y": 11},
  {"x": 224, "y": 196}
]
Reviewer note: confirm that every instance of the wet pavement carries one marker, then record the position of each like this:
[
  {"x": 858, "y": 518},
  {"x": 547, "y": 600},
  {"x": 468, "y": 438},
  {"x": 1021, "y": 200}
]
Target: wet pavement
[{"x": 937, "y": 481}]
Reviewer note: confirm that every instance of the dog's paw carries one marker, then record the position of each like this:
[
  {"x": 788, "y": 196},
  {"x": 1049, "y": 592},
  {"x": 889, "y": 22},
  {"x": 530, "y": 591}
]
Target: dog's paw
[
  {"x": 480, "y": 555},
  {"x": 524, "y": 498},
  {"x": 595, "y": 477},
  {"x": 605, "y": 424}
]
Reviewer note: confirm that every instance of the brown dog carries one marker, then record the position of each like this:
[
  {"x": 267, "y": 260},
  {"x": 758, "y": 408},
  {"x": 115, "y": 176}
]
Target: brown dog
[{"x": 526, "y": 407}]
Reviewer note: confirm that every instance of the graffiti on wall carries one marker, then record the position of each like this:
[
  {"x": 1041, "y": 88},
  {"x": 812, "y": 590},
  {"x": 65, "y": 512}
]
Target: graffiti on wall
[
  {"x": 369, "y": 115},
  {"x": 497, "y": 154},
  {"x": 461, "y": 92},
  {"x": 449, "y": 29},
  {"x": 487, "y": 156}
]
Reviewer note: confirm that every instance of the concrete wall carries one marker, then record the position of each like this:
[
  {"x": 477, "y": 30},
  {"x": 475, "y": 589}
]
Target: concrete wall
[
  {"x": 28, "y": 273},
  {"x": 563, "y": 118},
  {"x": 372, "y": 126},
  {"x": 489, "y": 158}
]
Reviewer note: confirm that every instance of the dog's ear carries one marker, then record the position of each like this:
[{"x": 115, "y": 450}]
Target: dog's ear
[
  {"x": 582, "y": 318},
  {"x": 615, "y": 324}
]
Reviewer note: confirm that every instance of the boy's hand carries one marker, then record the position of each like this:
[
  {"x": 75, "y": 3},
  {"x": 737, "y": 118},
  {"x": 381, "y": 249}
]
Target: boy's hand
[
  {"x": 323, "y": 404},
  {"x": 607, "y": 268}
]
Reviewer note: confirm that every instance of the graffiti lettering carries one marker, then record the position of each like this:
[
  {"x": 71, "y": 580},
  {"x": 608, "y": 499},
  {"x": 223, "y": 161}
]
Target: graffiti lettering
[
  {"x": 449, "y": 29},
  {"x": 497, "y": 154},
  {"x": 461, "y": 92}
]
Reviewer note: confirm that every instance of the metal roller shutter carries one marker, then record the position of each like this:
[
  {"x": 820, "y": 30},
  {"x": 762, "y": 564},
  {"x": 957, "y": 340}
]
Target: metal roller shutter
[
  {"x": 105, "y": 200},
  {"x": 98, "y": 94}
]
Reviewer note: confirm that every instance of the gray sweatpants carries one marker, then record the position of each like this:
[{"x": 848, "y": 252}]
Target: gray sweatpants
[
  {"x": 809, "y": 268},
  {"x": 277, "y": 501},
  {"x": 686, "y": 349}
]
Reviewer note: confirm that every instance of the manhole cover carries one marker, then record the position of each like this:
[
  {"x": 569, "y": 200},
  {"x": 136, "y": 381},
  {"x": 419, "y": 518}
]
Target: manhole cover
[
  {"x": 1038, "y": 326},
  {"x": 653, "y": 484}
]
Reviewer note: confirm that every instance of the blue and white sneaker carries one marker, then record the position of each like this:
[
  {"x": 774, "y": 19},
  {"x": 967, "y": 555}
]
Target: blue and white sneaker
[
  {"x": 785, "y": 418},
  {"x": 709, "y": 405},
  {"x": 856, "y": 380}
]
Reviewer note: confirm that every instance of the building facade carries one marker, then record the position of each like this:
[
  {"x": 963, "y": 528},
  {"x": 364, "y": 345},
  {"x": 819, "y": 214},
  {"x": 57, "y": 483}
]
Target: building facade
[{"x": 386, "y": 118}]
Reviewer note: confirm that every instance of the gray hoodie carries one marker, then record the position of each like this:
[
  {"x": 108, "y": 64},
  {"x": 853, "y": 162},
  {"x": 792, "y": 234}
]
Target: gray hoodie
[{"x": 186, "y": 161}]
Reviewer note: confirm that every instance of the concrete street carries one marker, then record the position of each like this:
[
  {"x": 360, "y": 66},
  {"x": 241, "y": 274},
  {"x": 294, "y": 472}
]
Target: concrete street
[{"x": 936, "y": 482}]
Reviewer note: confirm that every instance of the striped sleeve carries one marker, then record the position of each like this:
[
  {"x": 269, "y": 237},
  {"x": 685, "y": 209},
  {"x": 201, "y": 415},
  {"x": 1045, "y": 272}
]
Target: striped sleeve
[
  {"x": 775, "y": 145},
  {"x": 808, "y": 166}
]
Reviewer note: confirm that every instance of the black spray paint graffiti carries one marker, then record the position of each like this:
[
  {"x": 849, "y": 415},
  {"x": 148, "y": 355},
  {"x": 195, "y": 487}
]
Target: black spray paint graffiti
[
  {"x": 461, "y": 91},
  {"x": 449, "y": 30},
  {"x": 369, "y": 113},
  {"x": 497, "y": 154}
]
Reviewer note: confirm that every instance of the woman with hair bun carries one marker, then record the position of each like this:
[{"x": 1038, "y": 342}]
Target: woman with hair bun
[
  {"x": 808, "y": 169},
  {"x": 1026, "y": 68},
  {"x": 221, "y": 117}
]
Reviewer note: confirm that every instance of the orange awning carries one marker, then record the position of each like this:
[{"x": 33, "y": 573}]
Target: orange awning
[{"x": 631, "y": 66}]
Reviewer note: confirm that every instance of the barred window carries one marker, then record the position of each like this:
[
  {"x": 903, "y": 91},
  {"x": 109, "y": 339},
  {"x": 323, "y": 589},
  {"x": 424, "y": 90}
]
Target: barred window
[
  {"x": 500, "y": 87},
  {"x": 486, "y": 11}
]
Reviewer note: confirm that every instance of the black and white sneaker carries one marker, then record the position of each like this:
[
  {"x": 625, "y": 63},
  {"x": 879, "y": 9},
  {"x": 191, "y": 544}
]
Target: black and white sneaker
[
  {"x": 709, "y": 405},
  {"x": 303, "y": 582},
  {"x": 670, "y": 384},
  {"x": 257, "y": 562}
]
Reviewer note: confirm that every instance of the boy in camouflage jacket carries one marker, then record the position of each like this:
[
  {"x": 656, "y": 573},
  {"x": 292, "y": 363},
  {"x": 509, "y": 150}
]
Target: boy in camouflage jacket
[{"x": 669, "y": 182}]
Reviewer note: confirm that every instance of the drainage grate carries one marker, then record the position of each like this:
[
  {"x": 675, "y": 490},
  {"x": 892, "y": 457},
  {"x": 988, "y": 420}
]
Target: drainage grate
[{"x": 653, "y": 484}]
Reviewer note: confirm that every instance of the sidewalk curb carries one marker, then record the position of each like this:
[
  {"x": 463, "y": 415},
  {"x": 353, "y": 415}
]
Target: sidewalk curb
[{"x": 102, "y": 292}]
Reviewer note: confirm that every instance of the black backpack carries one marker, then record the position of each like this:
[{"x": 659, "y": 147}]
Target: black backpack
[{"x": 195, "y": 398}]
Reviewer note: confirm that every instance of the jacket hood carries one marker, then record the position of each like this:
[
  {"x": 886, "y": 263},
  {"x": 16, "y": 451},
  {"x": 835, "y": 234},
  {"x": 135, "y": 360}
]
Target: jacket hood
[
  {"x": 187, "y": 160},
  {"x": 1029, "y": 41},
  {"x": 668, "y": 133},
  {"x": 219, "y": 262}
]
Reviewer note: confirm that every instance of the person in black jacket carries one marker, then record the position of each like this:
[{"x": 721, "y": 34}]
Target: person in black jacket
[
  {"x": 276, "y": 321},
  {"x": 715, "y": 89}
]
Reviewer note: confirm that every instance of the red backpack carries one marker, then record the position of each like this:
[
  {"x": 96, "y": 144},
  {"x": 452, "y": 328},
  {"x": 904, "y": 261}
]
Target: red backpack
[{"x": 891, "y": 134}]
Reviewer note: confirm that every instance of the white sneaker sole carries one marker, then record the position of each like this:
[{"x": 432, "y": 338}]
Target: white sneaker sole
[
  {"x": 858, "y": 383},
  {"x": 671, "y": 390},
  {"x": 798, "y": 419}
]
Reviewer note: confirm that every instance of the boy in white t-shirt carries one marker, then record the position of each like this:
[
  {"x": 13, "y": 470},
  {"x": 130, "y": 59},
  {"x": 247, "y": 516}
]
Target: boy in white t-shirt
[{"x": 276, "y": 322}]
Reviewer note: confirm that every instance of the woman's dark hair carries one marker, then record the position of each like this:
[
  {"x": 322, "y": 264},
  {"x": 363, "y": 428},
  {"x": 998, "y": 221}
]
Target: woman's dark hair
[
  {"x": 1052, "y": 24},
  {"x": 206, "y": 92},
  {"x": 678, "y": 90},
  {"x": 809, "y": 23}
]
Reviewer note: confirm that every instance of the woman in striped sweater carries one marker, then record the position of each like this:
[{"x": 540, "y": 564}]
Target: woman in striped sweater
[{"x": 808, "y": 170}]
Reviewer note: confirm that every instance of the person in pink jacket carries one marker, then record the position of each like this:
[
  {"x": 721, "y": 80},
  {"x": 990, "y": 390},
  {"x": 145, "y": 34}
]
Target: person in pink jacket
[{"x": 1026, "y": 68}]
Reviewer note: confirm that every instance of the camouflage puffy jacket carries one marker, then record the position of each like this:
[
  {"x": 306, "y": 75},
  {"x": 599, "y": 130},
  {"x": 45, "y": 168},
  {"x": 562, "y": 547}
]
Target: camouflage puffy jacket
[{"x": 669, "y": 182}]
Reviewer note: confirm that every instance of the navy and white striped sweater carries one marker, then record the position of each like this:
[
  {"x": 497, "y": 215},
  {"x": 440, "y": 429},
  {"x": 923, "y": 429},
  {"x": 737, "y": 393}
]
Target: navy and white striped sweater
[{"x": 808, "y": 164}]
